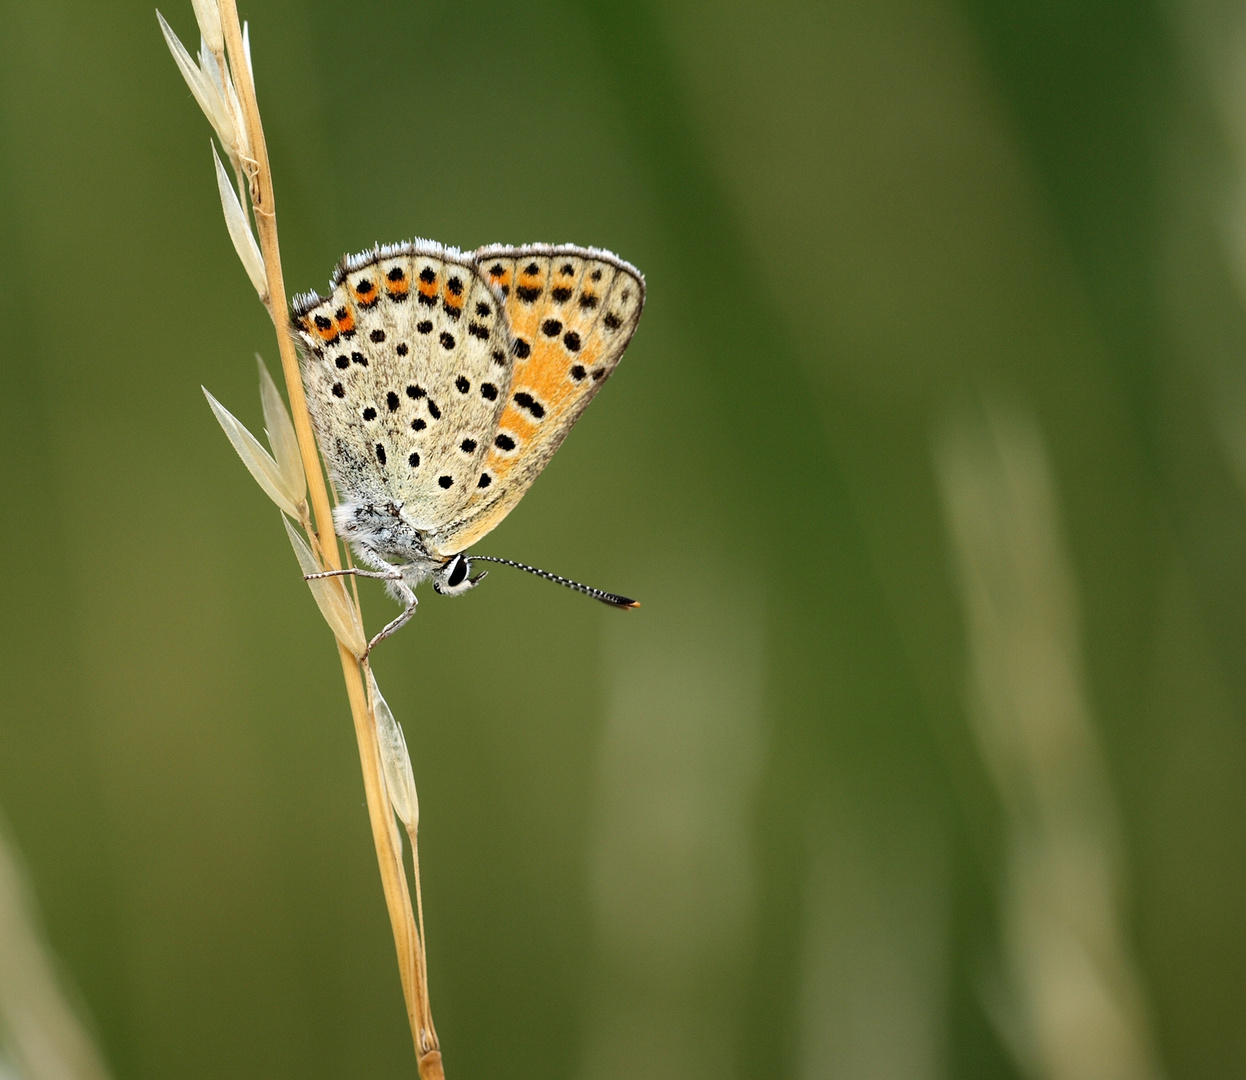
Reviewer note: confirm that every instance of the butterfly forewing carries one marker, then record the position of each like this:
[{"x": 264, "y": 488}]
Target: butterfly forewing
[
  {"x": 571, "y": 313},
  {"x": 407, "y": 368}
]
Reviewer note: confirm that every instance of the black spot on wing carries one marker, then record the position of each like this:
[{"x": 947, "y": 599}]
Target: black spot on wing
[{"x": 526, "y": 401}]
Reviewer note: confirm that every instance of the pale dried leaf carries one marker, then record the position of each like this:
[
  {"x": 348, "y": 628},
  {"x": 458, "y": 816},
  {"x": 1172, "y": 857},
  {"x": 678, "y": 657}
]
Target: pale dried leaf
[
  {"x": 281, "y": 437},
  {"x": 395, "y": 761},
  {"x": 331, "y": 597},
  {"x": 258, "y": 461},
  {"x": 240, "y": 231}
]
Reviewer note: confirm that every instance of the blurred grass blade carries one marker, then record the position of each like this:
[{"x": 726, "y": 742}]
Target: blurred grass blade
[
  {"x": 331, "y": 596},
  {"x": 1071, "y": 1004},
  {"x": 41, "y": 1030},
  {"x": 259, "y": 462}
]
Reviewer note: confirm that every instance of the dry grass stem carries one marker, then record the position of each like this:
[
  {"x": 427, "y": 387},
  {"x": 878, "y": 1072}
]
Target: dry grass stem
[
  {"x": 223, "y": 85},
  {"x": 400, "y": 780}
]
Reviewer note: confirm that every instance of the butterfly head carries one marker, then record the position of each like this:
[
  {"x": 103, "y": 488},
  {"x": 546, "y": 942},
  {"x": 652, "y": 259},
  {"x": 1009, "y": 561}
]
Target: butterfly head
[{"x": 453, "y": 578}]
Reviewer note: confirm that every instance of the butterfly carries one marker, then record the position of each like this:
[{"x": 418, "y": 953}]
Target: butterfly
[{"x": 441, "y": 382}]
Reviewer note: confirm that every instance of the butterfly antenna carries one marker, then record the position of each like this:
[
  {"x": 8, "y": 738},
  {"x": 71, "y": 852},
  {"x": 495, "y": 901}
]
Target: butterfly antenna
[{"x": 597, "y": 594}]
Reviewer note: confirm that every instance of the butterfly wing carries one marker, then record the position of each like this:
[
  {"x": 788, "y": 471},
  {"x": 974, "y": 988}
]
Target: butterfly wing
[
  {"x": 571, "y": 312},
  {"x": 407, "y": 368}
]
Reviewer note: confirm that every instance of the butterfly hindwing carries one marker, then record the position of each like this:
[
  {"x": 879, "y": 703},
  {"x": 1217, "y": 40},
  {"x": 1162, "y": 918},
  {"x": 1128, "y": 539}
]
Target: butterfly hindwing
[
  {"x": 571, "y": 313},
  {"x": 407, "y": 367}
]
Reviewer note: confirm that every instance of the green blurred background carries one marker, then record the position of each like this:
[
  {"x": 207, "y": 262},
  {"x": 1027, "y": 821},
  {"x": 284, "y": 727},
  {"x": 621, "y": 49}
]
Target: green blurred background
[{"x": 748, "y": 831}]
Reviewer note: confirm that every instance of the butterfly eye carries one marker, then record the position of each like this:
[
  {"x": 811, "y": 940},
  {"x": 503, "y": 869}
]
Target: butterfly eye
[{"x": 452, "y": 579}]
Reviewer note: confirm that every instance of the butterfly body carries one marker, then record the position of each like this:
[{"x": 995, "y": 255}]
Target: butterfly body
[{"x": 441, "y": 382}]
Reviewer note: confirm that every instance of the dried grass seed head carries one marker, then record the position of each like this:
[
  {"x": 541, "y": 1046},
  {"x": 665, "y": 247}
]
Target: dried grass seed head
[
  {"x": 395, "y": 761},
  {"x": 240, "y": 231},
  {"x": 259, "y": 462},
  {"x": 281, "y": 437},
  {"x": 213, "y": 89},
  {"x": 332, "y": 597},
  {"x": 208, "y": 16}
]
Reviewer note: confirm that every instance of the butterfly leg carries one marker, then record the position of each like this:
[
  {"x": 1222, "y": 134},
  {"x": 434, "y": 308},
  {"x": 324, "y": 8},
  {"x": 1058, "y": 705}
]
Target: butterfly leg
[
  {"x": 381, "y": 575},
  {"x": 394, "y": 576},
  {"x": 405, "y": 594},
  {"x": 410, "y": 603}
]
